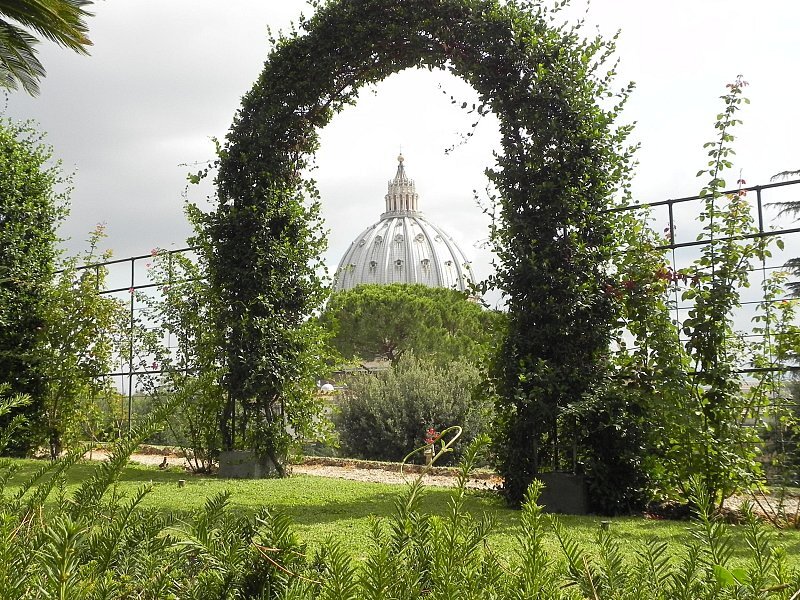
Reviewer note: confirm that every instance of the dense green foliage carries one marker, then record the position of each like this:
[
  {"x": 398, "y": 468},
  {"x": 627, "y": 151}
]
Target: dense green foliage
[
  {"x": 33, "y": 198},
  {"x": 61, "y": 21},
  {"x": 614, "y": 448},
  {"x": 675, "y": 406},
  {"x": 386, "y": 321},
  {"x": 57, "y": 334},
  {"x": 563, "y": 160},
  {"x": 383, "y": 415},
  {"x": 649, "y": 370},
  {"x": 262, "y": 248},
  {"x": 688, "y": 392},
  {"x": 191, "y": 373},
  {"x": 559, "y": 166}
]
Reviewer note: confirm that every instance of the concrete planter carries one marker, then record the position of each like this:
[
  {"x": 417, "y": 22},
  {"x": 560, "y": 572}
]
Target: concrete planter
[
  {"x": 244, "y": 464},
  {"x": 564, "y": 493}
]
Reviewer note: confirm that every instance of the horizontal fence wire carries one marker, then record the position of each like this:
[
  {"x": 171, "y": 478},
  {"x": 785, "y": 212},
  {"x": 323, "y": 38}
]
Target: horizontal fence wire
[{"x": 676, "y": 208}]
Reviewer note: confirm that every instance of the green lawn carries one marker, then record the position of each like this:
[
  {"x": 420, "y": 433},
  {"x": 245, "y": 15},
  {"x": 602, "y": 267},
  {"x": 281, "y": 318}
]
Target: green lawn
[{"x": 342, "y": 510}]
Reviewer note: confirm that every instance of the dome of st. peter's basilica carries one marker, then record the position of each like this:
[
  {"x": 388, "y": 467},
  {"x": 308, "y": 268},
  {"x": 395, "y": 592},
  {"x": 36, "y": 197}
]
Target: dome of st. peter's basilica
[{"x": 404, "y": 247}]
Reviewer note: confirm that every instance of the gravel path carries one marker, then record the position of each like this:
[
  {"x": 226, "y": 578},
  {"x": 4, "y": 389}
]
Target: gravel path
[
  {"x": 360, "y": 472},
  {"x": 374, "y": 475},
  {"x": 349, "y": 472}
]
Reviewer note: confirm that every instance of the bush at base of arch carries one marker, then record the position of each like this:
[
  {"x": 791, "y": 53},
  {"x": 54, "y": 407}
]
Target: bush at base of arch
[
  {"x": 384, "y": 414},
  {"x": 561, "y": 161}
]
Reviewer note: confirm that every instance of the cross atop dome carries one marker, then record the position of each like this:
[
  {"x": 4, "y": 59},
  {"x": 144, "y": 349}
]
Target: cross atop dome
[{"x": 402, "y": 195}]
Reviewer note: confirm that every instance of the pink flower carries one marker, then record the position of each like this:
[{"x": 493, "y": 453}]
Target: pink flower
[
  {"x": 432, "y": 435},
  {"x": 130, "y": 290}
]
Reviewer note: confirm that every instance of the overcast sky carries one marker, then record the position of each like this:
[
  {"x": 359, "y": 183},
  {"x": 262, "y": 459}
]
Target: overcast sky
[{"x": 166, "y": 76}]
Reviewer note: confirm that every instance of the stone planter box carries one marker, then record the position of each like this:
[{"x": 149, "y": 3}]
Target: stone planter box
[
  {"x": 564, "y": 493},
  {"x": 244, "y": 464}
]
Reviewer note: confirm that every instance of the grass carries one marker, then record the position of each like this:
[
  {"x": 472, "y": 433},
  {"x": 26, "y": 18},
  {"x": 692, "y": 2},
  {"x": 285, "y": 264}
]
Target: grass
[{"x": 325, "y": 508}]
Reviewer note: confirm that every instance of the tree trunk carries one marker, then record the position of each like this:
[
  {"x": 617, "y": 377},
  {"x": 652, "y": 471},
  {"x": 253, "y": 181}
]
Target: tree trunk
[
  {"x": 227, "y": 425},
  {"x": 55, "y": 444}
]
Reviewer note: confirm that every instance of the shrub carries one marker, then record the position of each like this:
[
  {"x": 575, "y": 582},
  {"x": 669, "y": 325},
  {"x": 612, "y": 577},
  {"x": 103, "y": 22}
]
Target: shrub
[
  {"x": 191, "y": 374},
  {"x": 33, "y": 200},
  {"x": 385, "y": 415},
  {"x": 615, "y": 449}
]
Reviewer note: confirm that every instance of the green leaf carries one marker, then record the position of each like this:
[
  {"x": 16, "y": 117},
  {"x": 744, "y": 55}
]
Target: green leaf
[{"x": 740, "y": 575}]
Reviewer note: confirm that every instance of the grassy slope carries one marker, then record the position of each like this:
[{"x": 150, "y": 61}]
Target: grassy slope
[{"x": 322, "y": 508}]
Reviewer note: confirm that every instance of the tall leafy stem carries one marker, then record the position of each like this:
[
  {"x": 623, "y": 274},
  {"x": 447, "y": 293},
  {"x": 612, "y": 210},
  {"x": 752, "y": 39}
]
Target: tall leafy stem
[
  {"x": 719, "y": 274},
  {"x": 193, "y": 369}
]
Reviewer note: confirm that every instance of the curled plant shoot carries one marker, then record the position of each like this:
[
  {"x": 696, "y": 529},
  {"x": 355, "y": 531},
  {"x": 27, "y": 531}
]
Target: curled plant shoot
[{"x": 446, "y": 446}]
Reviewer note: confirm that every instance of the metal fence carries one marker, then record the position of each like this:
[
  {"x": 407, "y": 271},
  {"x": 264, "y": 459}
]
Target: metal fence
[
  {"x": 772, "y": 222},
  {"x": 130, "y": 277}
]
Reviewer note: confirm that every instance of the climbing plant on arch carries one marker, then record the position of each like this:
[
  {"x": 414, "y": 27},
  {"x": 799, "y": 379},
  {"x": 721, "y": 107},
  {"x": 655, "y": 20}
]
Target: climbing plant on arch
[{"x": 560, "y": 164}]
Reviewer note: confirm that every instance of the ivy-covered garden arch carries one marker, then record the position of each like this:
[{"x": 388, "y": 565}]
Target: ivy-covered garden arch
[{"x": 560, "y": 164}]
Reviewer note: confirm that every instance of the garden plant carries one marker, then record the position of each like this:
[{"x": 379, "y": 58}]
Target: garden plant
[
  {"x": 249, "y": 351},
  {"x": 189, "y": 375},
  {"x": 33, "y": 203},
  {"x": 678, "y": 380},
  {"x": 58, "y": 336},
  {"x": 381, "y": 415}
]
